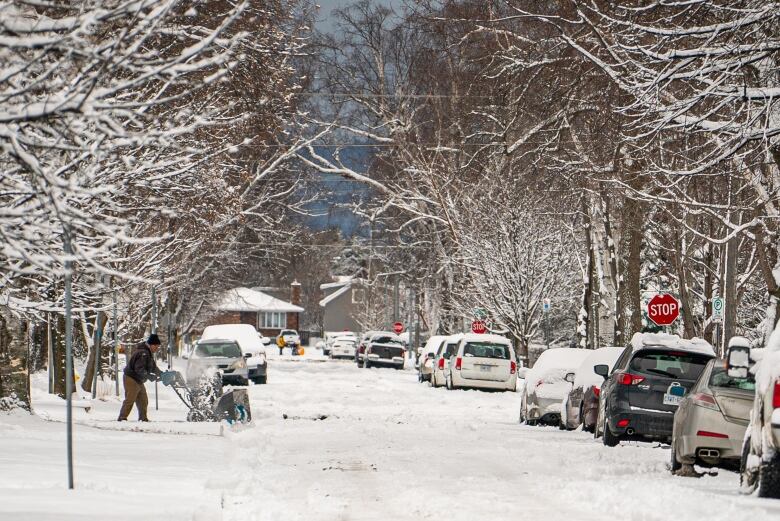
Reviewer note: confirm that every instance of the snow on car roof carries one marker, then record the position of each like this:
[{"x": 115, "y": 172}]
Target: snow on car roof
[
  {"x": 585, "y": 376},
  {"x": 433, "y": 344},
  {"x": 246, "y": 335},
  {"x": 667, "y": 341},
  {"x": 454, "y": 338},
  {"x": 495, "y": 339}
]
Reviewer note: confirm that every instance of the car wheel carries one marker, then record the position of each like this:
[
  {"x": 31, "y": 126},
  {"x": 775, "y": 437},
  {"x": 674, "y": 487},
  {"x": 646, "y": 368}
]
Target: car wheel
[
  {"x": 674, "y": 464},
  {"x": 261, "y": 379},
  {"x": 769, "y": 478},
  {"x": 610, "y": 440},
  {"x": 448, "y": 383},
  {"x": 747, "y": 477},
  {"x": 366, "y": 364}
]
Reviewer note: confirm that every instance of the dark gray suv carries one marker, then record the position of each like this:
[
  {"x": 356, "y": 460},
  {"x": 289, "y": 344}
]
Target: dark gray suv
[{"x": 647, "y": 383}]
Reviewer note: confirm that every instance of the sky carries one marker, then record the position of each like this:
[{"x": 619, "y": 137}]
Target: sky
[{"x": 324, "y": 21}]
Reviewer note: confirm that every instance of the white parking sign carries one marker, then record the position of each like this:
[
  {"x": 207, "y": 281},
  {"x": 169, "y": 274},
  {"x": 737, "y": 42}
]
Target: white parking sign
[{"x": 718, "y": 305}]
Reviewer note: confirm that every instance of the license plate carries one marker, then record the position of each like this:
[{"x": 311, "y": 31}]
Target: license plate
[
  {"x": 485, "y": 368},
  {"x": 671, "y": 399}
]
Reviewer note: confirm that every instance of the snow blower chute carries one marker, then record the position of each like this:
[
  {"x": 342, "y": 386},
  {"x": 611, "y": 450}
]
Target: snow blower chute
[{"x": 206, "y": 401}]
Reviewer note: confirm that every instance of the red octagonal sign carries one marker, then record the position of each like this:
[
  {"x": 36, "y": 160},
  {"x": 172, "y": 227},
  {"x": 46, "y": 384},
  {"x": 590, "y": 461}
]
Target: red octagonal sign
[
  {"x": 398, "y": 328},
  {"x": 478, "y": 327},
  {"x": 663, "y": 309}
]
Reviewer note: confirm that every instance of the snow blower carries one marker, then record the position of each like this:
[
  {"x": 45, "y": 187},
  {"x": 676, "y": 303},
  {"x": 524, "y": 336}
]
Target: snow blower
[{"x": 206, "y": 401}]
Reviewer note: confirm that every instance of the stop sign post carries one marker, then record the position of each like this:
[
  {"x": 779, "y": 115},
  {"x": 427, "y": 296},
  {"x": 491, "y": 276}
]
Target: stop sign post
[
  {"x": 478, "y": 327},
  {"x": 398, "y": 328},
  {"x": 663, "y": 309}
]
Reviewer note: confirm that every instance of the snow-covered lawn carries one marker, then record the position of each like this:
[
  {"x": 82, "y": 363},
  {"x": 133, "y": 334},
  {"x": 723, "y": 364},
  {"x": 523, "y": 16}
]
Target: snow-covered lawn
[{"x": 334, "y": 442}]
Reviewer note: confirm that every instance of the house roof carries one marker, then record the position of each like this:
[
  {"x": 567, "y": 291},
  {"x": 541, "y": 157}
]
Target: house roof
[
  {"x": 339, "y": 282},
  {"x": 246, "y": 299},
  {"x": 333, "y": 296}
]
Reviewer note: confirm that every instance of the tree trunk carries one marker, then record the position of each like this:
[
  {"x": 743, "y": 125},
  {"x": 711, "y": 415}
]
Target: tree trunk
[
  {"x": 586, "y": 318},
  {"x": 729, "y": 294},
  {"x": 14, "y": 368},
  {"x": 89, "y": 370},
  {"x": 630, "y": 288},
  {"x": 689, "y": 319}
]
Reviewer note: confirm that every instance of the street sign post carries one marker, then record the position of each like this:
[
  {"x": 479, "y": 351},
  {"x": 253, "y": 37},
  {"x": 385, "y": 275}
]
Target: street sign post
[
  {"x": 663, "y": 309},
  {"x": 478, "y": 327},
  {"x": 398, "y": 328},
  {"x": 718, "y": 308}
]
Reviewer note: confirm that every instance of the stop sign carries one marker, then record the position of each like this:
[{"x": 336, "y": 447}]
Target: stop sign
[
  {"x": 663, "y": 309},
  {"x": 398, "y": 328},
  {"x": 478, "y": 327}
]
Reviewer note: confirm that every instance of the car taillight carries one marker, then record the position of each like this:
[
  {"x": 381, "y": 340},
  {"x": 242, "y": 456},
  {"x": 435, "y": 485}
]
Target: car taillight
[
  {"x": 596, "y": 391},
  {"x": 622, "y": 423},
  {"x": 458, "y": 362},
  {"x": 776, "y": 395},
  {"x": 441, "y": 363},
  {"x": 705, "y": 400},
  {"x": 631, "y": 379},
  {"x": 512, "y": 367}
]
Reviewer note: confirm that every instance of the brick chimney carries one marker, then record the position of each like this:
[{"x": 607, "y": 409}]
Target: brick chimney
[{"x": 295, "y": 293}]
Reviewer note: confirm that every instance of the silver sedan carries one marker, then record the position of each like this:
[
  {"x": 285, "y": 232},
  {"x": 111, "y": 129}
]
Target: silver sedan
[{"x": 710, "y": 423}]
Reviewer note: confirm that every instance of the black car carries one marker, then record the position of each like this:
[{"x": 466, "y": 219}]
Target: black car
[{"x": 641, "y": 394}]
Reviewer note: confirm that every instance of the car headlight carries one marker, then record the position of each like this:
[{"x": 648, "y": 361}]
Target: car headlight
[{"x": 238, "y": 364}]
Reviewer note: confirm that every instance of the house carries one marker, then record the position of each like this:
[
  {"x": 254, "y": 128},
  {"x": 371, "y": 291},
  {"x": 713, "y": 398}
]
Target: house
[
  {"x": 342, "y": 303},
  {"x": 267, "y": 313}
]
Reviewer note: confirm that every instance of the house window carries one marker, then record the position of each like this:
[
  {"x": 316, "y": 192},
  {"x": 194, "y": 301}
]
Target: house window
[
  {"x": 273, "y": 320},
  {"x": 358, "y": 295}
]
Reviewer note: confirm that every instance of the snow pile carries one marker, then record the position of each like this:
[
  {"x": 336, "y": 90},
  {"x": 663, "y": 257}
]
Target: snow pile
[
  {"x": 665, "y": 340},
  {"x": 585, "y": 376}
]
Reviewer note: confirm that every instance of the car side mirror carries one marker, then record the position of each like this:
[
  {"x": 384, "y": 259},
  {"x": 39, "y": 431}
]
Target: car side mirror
[
  {"x": 569, "y": 378},
  {"x": 247, "y": 355},
  {"x": 602, "y": 370},
  {"x": 266, "y": 341},
  {"x": 431, "y": 356},
  {"x": 738, "y": 361}
]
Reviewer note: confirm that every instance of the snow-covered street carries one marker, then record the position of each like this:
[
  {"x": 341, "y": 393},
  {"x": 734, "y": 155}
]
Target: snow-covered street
[{"x": 330, "y": 441}]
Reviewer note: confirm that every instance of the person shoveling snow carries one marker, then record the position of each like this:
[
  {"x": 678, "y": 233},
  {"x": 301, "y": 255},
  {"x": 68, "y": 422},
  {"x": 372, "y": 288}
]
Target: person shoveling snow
[{"x": 138, "y": 370}]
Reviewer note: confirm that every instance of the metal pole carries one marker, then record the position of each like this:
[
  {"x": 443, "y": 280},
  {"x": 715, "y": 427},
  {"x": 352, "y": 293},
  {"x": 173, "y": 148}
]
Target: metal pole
[
  {"x": 115, "y": 327},
  {"x": 154, "y": 330},
  {"x": 68, "y": 355},
  {"x": 96, "y": 346},
  {"x": 50, "y": 349},
  {"x": 416, "y": 324},
  {"x": 396, "y": 303}
]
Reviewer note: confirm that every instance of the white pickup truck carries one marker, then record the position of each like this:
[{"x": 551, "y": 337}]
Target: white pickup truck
[{"x": 760, "y": 463}]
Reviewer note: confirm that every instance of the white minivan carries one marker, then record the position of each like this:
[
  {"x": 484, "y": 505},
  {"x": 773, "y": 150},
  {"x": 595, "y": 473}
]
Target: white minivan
[{"x": 483, "y": 362}]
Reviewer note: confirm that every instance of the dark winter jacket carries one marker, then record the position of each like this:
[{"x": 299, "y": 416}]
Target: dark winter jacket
[{"x": 141, "y": 366}]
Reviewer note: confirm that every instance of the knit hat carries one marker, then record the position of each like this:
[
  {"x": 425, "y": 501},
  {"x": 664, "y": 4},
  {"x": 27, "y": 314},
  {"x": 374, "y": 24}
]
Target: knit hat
[{"x": 153, "y": 340}]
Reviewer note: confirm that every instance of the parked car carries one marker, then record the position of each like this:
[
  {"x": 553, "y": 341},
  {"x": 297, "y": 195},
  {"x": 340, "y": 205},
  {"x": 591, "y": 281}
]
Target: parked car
[
  {"x": 710, "y": 422},
  {"x": 214, "y": 355},
  {"x": 385, "y": 349},
  {"x": 483, "y": 362},
  {"x": 760, "y": 461},
  {"x": 252, "y": 345},
  {"x": 331, "y": 336},
  {"x": 642, "y": 392},
  {"x": 344, "y": 347},
  {"x": 291, "y": 338},
  {"x": 581, "y": 406},
  {"x": 547, "y": 383},
  {"x": 360, "y": 354},
  {"x": 427, "y": 356},
  {"x": 441, "y": 365}
]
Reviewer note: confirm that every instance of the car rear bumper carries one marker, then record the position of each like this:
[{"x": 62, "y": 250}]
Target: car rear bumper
[
  {"x": 459, "y": 381},
  {"x": 395, "y": 362},
  {"x": 654, "y": 425},
  {"x": 544, "y": 407},
  {"x": 257, "y": 371},
  {"x": 342, "y": 354}
]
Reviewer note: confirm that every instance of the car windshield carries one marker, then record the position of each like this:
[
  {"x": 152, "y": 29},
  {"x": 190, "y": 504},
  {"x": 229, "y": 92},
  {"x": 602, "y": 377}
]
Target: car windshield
[
  {"x": 218, "y": 349},
  {"x": 486, "y": 350},
  {"x": 720, "y": 378},
  {"x": 288, "y": 332},
  {"x": 669, "y": 364},
  {"x": 385, "y": 340}
]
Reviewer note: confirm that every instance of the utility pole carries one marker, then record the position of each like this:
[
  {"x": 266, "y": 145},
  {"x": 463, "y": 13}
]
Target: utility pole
[
  {"x": 96, "y": 346},
  {"x": 50, "y": 352},
  {"x": 68, "y": 354},
  {"x": 115, "y": 327}
]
